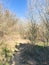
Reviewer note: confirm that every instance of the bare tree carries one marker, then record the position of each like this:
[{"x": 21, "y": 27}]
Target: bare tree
[
  {"x": 32, "y": 33},
  {"x": 45, "y": 19}
]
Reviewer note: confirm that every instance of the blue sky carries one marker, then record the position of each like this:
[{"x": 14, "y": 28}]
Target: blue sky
[
  {"x": 20, "y": 7},
  {"x": 17, "y": 6}
]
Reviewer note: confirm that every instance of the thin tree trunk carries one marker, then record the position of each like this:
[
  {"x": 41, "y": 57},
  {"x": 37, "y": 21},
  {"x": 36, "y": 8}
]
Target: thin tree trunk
[{"x": 47, "y": 42}]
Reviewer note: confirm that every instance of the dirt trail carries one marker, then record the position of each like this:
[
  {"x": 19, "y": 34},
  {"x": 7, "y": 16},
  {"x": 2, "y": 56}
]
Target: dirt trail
[{"x": 16, "y": 58}]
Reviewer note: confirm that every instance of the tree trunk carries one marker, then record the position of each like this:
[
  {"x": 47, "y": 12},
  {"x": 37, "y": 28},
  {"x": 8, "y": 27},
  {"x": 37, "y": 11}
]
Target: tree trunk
[{"x": 47, "y": 42}]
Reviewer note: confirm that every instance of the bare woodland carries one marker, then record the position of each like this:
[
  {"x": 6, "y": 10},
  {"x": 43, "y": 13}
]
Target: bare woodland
[{"x": 13, "y": 29}]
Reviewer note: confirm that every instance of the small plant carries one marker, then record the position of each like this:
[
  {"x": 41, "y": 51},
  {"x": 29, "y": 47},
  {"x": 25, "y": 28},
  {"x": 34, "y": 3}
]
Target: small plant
[{"x": 6, "y": 56}]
